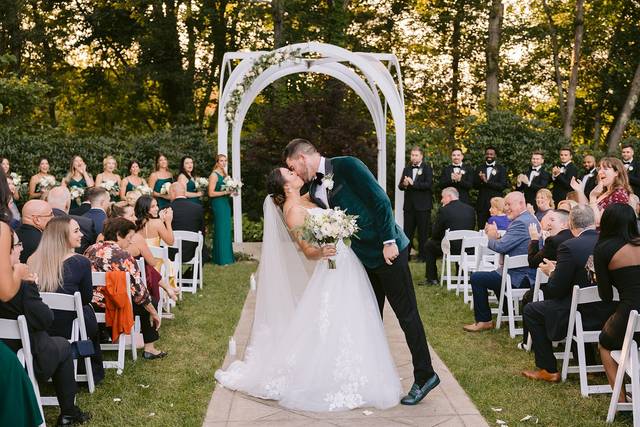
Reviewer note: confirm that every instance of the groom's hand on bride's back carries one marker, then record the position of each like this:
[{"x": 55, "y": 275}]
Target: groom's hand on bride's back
[{"x": 390, "y": 253}]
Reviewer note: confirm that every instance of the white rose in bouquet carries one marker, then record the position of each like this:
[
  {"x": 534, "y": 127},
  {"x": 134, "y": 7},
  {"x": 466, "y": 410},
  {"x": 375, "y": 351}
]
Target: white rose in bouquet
[
  {"x": 231, "y": 184},
  {"x": 17, "y": 179},
  {"x": 202, "y": 184},
  {"x": 143, "y": 189},
  {"x": 111, "y": 186},
  {"x": 165, "y": 188},
  {"x": 47, "y": 183},
  {"x": 76, "y": 194}
]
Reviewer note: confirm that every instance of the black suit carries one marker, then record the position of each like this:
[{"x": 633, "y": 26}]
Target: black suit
[
  {"x": 590, "y": 180},
  {"x": 51, "y": 355},
  {"x": 463, "y": 186},
  {"x": 537, "y": 182},
  {"x": 187, "y": 216},
  {"x": 454, "y": 216},
  {"x": 493, "y": 187},
  {"x": 417, "y": 203},
  {"x": 86, "y": 227},
  {"x": 562, "y": 182},
  {"x": 549, "y": 250},
  {"x": 81, "y": 210},
  {"x": 633, "y": 171},
  {"x": 548, "y": 320},
  {"x": 98, "y": 216},
  {"x": 30, "y": 237}
]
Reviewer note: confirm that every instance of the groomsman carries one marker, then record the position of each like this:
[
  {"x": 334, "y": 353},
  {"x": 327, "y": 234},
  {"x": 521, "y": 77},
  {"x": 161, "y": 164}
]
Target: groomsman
[
  {"x": 632, "y": 167},
  {"x": 491, "y": 180},
  {"x": 590, "y": 177},
  {"x": 458, "y": 176},
  {"x": 416, "y": 182},
  {"x": 533, "y": 179},
  {"x": 561, "y": 175}
]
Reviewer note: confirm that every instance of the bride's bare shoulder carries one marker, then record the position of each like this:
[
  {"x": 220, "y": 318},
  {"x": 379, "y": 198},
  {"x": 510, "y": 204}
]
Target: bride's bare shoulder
[{"x": 294, "y": 214}]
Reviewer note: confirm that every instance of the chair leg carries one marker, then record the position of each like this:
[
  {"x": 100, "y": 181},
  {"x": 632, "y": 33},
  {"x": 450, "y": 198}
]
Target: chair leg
[
  {"x": 510, "y": 311},
  {"x": 582, "y": 366}
]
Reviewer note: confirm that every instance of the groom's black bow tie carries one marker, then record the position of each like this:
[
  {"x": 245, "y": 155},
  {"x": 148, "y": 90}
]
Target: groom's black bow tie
[
  {"x": 318, "y": 180},
  {"x": 626, "y": 162}
]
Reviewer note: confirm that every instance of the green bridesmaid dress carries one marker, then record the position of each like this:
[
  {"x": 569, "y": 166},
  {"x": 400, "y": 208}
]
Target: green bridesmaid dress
[
  {"x": 18, "y": 404},
  {"x": 130, "y": 187},
  {"x": 191, "y": 188},
  {"x": 222, "y": 250},
  {"x": 162, "y": 203},
  {"x": 80, "y": 184}
]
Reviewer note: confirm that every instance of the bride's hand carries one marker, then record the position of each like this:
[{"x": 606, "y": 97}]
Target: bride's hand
[{"x": 327, "y": 251}]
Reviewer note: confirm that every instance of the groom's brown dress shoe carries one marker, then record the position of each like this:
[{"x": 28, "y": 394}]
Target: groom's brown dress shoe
[
  {"x": 478, "y": 327},
  {"x": 542, "y": 375}
]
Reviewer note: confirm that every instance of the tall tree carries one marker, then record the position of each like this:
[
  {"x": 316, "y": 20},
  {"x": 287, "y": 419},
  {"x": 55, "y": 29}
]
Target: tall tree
[
  {"x": 632, "y": 98},
  {"x": 496, "y": 12},
  {"x": 575, "y": 64},
  {"x": 555, "y": 49}
]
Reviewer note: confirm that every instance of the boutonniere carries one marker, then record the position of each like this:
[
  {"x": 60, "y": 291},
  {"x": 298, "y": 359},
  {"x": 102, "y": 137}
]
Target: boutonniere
[
  {"x": 562, "y": 169},
  {"x": 419, "y": 172},
  {"x": 327, "y": 180},
  {"x": 456, "y": 170},
  {"x": 493, "y": 172},
  {"x": 630, "y": 168}
]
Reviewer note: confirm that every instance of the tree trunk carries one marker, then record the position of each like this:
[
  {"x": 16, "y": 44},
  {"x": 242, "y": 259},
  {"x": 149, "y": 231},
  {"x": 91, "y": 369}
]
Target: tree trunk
[
  {"x": 632, "y": 98},
  {"x": 277, "y": 14},
  {"x": 190, "y": 22},
  {"x": 493, "y": 55},
  {"x": 456, "y": 54},
  {"x": 556, "y": 61},
  {"x": 575, "y": 63}
]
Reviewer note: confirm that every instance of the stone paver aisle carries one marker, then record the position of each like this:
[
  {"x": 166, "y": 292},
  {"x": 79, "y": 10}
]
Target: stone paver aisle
[{"x": 448, "y": 405}]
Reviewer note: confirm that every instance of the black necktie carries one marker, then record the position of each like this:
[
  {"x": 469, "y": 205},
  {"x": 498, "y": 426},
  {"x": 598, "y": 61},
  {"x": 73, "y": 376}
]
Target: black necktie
[{"x": 318, "y": 179}]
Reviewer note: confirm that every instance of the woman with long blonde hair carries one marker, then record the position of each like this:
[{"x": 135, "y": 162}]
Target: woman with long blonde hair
[
  {"x": 79, "y": 178},
  {"x": 222, "y": 249},
  {"x": 109, "y": 178}
]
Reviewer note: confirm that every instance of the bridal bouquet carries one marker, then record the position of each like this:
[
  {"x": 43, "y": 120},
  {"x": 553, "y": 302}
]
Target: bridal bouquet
[
  {"x": 329, "y": 227},
  {"x": 165, "y": 188},
  {"x": 76, "y": 194},
  {"x": 202, "y": 184},
  {"x": 111, "y": 186},
  {"x": 47, "y": 183},
  {"x": 231, "y": 184},
  {"x": 143, "y": 189},
  {"x": 17, "y": 179}
]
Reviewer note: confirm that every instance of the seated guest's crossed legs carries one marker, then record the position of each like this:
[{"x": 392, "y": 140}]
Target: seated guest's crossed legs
[
  {"x": 534, "y": 319},
  {"x": 481, "y": 282}
]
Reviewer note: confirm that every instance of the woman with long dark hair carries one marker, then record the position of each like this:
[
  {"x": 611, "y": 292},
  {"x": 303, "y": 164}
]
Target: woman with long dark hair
[
  {"x": 41, "y": 182},
  {"x": 133, "y": 180},
  {"x": 187, "y": 176}
]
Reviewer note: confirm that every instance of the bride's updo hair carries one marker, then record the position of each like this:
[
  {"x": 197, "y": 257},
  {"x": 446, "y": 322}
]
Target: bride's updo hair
[{"x": 275, "y": 187}]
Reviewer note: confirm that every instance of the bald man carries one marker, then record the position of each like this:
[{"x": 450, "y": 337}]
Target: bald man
[
  {"x": 514, "y": 242},
  {"x": 59, "y": 199},
  {"x": 187, "y": 216},
  {"x": 35, "y": 217},
  {"x": 590, "y": 177}
]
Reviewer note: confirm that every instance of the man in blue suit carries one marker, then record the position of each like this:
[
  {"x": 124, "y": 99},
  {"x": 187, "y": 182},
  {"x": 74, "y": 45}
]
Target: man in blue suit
[
  {"x": 99, "y": 199},
  {"x": 514, "y": 242}
]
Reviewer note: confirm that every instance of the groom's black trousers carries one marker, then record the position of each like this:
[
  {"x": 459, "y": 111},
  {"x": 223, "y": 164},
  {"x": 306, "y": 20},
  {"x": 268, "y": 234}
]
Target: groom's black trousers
[{"x": 394, "y": 282}]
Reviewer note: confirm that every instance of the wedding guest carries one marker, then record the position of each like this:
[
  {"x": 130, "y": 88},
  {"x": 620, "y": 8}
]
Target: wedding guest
[
  {"x": 132, "y": 181},
  {"x": 534, "y": 179},
  {"x": 222, "y": 249},
  {"x": 547, "y": 320},
  {"x": 544, "y": 203},
  {"x": 151, "y": 223},
  {"x": 132, "y": 197},
  {"x": 453, "y": 215},
  {"x": 112, "y": 255},
  {"x": 83, "y": 207},
  {"x": 617, "y": 264},
  {"x": 632, "y": 167},
  {"x": 35, "y": 216},
  {"x": 458, "y": 176},
  {"x": 514, "y": 242},
  {"x": 416, "y": 182},
  {"x": 51, "y": 355},
  {"x": 59, "y": 199},
  {"x": 77, "y": 177},
  {"x": 60, "y": 269},
  {"x": 41, "y": 182},
  {"x": 187, "y": 177},
  {"x": 99, "y": 199},
  {"x": 573, "y": 196},
  {"x": 187, "y": 216},
  {"x": 159, "y": 178},
  {"x": 567, "y": 205},
  {"x": 9, "y": 277},
  {"x": 590, "y": 176},
  {"x": 490, "y": 180},
  {"x": 498, "y": 217},
  {"x": 108, "y": 178},
  {"x": 562, "y": 173}
]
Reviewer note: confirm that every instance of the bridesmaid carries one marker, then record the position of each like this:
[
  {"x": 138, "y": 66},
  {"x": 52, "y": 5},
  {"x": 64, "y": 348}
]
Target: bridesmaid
[
  {"x": 14, "y": 190},
  {"x": 161, "y": 176},
  {"x": 35, "y": 190},
  {"x": 78, "y": 177},
  {"x": 133, "y": 181},
  {"x": 187, "y": 177},
  {"x": 222, "y": 250},
  {"x": 109, "y": 165}
]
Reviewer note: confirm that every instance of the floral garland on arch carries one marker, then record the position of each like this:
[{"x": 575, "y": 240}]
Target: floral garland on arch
[{"x": 260, "y": 64}]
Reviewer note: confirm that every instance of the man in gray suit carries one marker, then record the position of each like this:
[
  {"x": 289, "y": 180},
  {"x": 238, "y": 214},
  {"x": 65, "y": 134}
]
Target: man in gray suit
[{"x": 514, "y": 242}]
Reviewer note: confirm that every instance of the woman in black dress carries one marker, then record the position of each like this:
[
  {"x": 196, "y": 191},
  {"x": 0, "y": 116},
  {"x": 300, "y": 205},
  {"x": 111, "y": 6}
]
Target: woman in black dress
[{"x": 617, "y": 263}]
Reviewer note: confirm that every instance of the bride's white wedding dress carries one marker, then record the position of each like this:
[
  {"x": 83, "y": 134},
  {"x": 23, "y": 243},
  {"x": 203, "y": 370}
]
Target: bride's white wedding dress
[{"x": 323, "y": 349}]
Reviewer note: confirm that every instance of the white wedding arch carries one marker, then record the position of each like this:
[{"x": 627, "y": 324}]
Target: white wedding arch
[{"x": 368, "y": 74}]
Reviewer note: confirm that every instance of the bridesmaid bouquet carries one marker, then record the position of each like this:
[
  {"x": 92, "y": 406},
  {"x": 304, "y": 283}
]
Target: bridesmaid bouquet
[
  {"x": 111, "y": 186},
  {"x": 202, "y": 184},
  {"x": 232, "y": 185},
  {"x": 76, "y": 194},
  {"x": 143, "y": 189},
  {"x": 47, "y": 183},
  {"x": 165, "y": 188},
  {"x": 329, "y": 227},
  {"x": 17, "y": 179}
]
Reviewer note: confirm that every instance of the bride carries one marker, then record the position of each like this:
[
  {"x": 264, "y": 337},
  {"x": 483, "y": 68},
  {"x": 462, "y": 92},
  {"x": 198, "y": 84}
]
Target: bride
[{"x": 317, "y": 342}]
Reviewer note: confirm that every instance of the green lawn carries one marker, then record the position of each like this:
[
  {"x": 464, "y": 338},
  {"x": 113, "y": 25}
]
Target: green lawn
[
  {"x": 179, "y": 386},
  {"x": 488, "y": 365}
]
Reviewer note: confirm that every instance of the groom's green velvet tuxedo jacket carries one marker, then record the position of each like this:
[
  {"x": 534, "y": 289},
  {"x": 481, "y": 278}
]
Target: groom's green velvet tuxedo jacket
[{"x": 356, "y": 191}]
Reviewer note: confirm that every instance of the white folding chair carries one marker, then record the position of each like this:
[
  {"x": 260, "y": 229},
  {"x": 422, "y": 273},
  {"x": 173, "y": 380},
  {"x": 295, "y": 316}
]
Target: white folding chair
[
  {"x": 99, "y": 279},
  {"x": 537, "y": 295},
  {"x": 18, "y": 330},
  {"x": 512, "y": 296},
  {"x": 471, "y": 263},
  {"x": 188, "y": 284},
  {"x": 448, "y": 258},
  {"x": 162, "y": 252},
  {"x": 628, "y": 362},
  {"x": 73, "y": 303},
  {"x": 577, "y": 334}
]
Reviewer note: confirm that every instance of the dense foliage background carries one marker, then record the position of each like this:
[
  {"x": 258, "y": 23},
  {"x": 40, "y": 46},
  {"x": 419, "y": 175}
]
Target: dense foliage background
[{"x": 131, "y": 78}]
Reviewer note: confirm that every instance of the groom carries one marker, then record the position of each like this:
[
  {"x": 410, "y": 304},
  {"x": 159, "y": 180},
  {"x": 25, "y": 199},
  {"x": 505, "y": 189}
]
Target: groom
[{"x": 380, "y": 244}]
